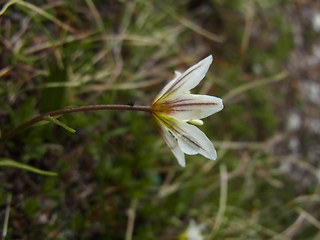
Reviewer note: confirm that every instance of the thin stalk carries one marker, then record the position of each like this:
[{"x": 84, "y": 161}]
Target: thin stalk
[{"x": 45, "y": 116}]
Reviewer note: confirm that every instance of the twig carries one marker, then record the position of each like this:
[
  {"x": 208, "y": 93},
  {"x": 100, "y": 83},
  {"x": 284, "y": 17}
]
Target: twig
[
  {"x": 249, "y": 16},
  {"x": 131, "y": 219},
  {"x": 38, "y": 10},
  {"x": 311, "y": 219},
  {"x": 240, "y": 145},
  {"x": 223, "y": 199},
  {"x": 245, "y": 87},
  {"x": 198, "y": 29},
  {"x": 6, "y": 217}
]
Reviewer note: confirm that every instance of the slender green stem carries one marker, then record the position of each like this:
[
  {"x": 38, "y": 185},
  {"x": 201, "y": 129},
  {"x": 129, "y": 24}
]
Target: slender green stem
[{"x": 72, "y": 110}]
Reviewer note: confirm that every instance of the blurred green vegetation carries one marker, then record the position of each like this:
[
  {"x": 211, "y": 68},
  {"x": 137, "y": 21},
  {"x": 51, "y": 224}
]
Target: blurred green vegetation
[{"x": 57, "y": 54}]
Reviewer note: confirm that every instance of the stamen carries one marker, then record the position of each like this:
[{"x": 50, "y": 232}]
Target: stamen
[{"x": 197, "y": 122}]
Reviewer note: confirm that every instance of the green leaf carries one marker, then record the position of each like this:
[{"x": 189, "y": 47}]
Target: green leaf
[
  {"x": 61, "y": 124},
  {"x": 6, "y": 162}
]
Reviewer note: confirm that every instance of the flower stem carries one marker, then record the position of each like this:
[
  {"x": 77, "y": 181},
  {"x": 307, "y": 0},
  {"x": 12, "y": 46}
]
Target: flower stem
[{"x": 72, "y": 110}]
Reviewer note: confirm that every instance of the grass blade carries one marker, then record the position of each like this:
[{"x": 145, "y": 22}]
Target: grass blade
[{"x": 5, "y": 162}]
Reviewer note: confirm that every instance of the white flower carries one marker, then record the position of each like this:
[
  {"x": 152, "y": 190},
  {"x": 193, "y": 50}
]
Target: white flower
[
  {"x": 175, "y": 106},
  {"x": 194, "y": 231}
]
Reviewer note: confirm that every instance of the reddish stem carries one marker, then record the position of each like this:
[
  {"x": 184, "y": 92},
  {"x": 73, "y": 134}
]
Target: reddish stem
[{"x": 72, "y": 110}]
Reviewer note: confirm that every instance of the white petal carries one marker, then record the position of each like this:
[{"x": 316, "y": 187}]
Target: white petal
[
  {"x": 172, "y": 142},
  {"x": 192, "y": 141},
  {"x": 177, "y": 152},
  {"x": 192, "y": 106},
  {"x": 169, "y": 84},
  {"x": 191, "y": 77}
]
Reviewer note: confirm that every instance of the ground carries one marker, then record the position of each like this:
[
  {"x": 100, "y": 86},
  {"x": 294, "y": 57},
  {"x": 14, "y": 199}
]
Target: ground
[{"x": 116, "y": 178}]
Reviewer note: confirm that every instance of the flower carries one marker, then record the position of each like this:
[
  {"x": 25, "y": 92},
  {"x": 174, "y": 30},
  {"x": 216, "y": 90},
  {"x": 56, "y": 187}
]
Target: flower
[
  {"x": 193, "y": 232},
  {"x": 175, "y": 107}
]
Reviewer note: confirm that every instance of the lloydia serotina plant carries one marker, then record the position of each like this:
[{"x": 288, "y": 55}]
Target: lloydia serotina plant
[{"x": 175, "y": 111}]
